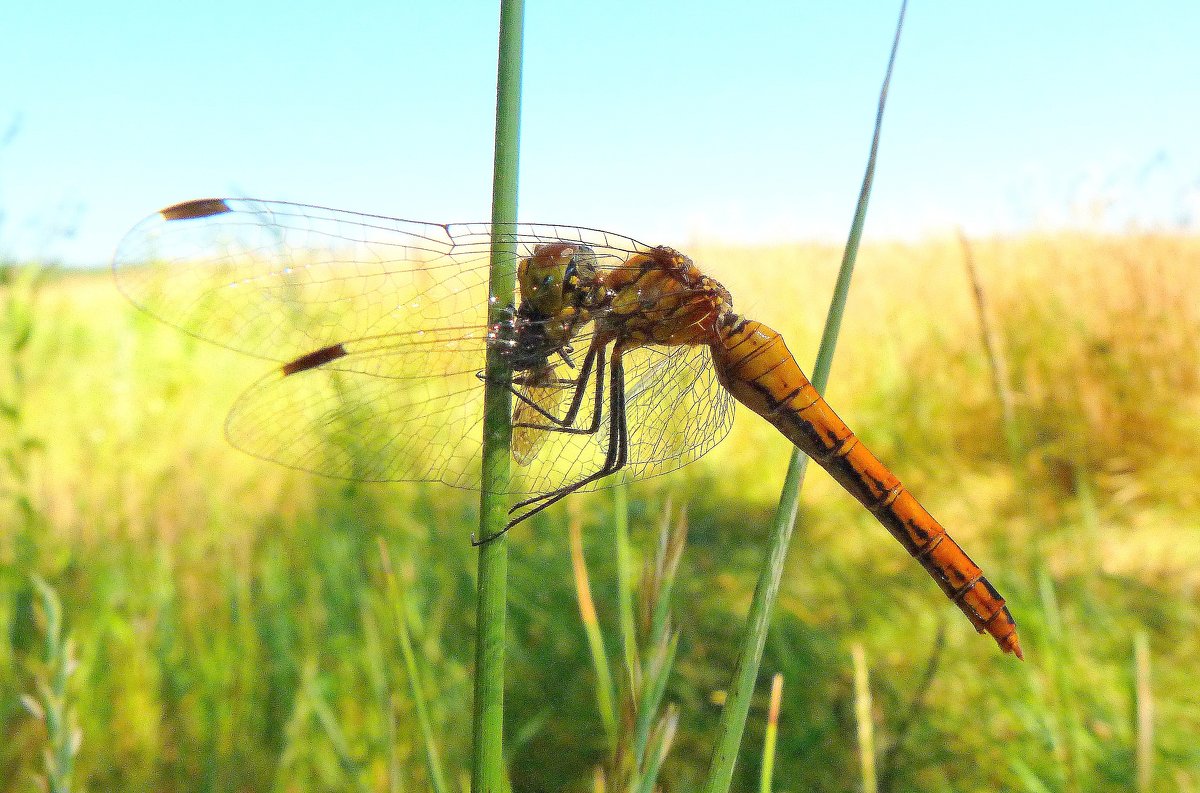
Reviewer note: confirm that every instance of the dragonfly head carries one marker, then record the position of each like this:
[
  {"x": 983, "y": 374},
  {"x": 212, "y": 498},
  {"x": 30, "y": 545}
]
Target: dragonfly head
[
  {"x": 550, "y": 277},
  {"x": 556, "y": 283}
]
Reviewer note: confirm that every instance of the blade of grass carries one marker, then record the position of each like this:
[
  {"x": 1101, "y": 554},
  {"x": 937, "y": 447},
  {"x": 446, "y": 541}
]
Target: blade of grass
[
  {"x": 328, "y": 722},
  {"x": 487, "y": 766},
  {"x": 912, "y": 714},
  {"x": 660, "y": 745},
  {"x": 381, "y": 683},
  {"x": 658, "y": 673},
  {"x": 737, "y": 704},
  {"x": 433, "y": 763},
  {"x": 772, "y": 734},
  {"x": 862, "y": 715},
  {"x": 1064, "y": 724},
  {"x": 625, "y": 584},
  {"x": 997, "y": 360},
  {"x": 670, "y": 553},
  {"x": 1144, "y": 753},
  {"x": 591, "y": 628}
]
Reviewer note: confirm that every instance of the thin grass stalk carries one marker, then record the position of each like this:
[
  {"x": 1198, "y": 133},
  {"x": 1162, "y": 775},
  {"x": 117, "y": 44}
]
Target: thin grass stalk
[
  {"x": 381, "y": 683},
  {"x": 997, "y": 360},
  {"x": 737, "y": 704},
  {"x": 395, "y": 781},
  {"x": 862, "y": 715},
  {"x": 416, "y": 686},
  {"x": 625, "y": 613},
  {"x": 487, "y": 766},
  {"x": 660, "y": 745},
  {"x": 591, "y": 629},
  {"x": 657, "y": 674},
  {"x": 333, "y": 730},
  {"x": 670, "y": 552},
  {"x": 1064, "y": 724},
  {"x": 51, "y": 704},
  {"x": 1144, "y": 753},
  {"x": 772, "y": 735}
]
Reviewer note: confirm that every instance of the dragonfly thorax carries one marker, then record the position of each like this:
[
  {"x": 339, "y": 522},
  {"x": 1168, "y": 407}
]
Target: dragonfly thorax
[{"x": 661, "y": 297}]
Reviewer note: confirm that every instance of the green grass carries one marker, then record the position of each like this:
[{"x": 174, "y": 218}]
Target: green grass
[
  {"x": 491, "y": 598},
  {"x": 233, "y": 626}
]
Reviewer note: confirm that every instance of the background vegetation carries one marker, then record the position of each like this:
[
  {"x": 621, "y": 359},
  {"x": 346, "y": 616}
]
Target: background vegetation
[{"x": 231, "y": 626}]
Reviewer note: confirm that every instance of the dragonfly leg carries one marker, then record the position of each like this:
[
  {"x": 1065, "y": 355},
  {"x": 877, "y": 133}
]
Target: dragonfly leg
[
  {"x": 615, "y": 459},
  {"x": 580, "y": 384},
  {"x": 617, "y": 441},
  {"x": 557, "y": 382}
]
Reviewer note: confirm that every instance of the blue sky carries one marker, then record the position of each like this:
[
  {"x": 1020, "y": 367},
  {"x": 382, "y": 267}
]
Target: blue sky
[{"x": 665, "y": 121}]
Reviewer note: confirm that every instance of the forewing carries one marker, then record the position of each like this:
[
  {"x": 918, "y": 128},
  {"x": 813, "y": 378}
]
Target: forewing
[{"x": 278, "y": 280}]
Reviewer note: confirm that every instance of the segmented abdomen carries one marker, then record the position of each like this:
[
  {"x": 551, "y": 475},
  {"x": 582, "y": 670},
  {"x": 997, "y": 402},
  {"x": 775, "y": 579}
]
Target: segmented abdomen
[{"x": 753, "y": 362}]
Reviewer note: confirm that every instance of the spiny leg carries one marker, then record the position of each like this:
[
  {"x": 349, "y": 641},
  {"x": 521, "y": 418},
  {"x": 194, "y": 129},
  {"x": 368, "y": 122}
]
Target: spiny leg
[
  {"x": 616, "y": 442},
  {"x": 564, "y": 424},
  {"x": 579, "y": 384},
  {"x": 615, "y": 458},
  {"x": 613, "y": 453}
]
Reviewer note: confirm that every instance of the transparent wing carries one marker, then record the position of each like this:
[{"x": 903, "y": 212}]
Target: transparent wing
[
  {"x": 278, "y": 280},
  {"x": 380, "y": 414},
  {"x": 530, "y": 425},
  {"x": 404, "y": 303},
  {"x": 675, "y": 409}
]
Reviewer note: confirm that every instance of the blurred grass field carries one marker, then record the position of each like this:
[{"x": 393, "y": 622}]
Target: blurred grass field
[{"x": 233, "y": 631}]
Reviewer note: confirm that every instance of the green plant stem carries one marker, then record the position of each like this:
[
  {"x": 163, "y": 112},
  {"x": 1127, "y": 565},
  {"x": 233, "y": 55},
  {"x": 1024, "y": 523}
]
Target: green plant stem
[
  {"x": 862, "y": 715},
  {"x": 488, "y": 717},
  {"x": 1144, "y": 708},
  {"x": 595, "y": 639},
  {"x": 433, "y": 762},
  {"x": 625, "y": 584},
  {"x": 737, "y": 704},
  {"x": 772, "y": 735},
  {"x": 659, "y": 670}
]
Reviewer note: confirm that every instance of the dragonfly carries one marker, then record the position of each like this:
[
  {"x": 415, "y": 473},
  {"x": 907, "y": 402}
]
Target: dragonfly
[{"x": 626, "y": 360}]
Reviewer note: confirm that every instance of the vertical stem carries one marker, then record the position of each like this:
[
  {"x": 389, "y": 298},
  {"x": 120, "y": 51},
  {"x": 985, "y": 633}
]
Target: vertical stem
[
  {"x": 862, "y": 714},
  {"x": 433, "y": 761},
  {"x": 741, "y": 689},
  {"x": 591, "y": 628},
  {"x": 772, "y": 735},
  {"x": 1145, "y": 712},
  {"x": 625, "y": 584},
  {"x": 995, "y": 352},
  {"x": 912, "y": 714},
  {"x": 488, "y": 718}
]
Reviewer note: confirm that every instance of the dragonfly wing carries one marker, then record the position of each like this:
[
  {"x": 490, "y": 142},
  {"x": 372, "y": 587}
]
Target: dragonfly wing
[
  {"x": 675, "y": 409},
  {"x": 380, "y": 409},
  {"x": 405, "y": 407},
  {"x": 380, "y": 325},
  {"x": 276, "y": 280},
  {"x": 527, "y": 441}
]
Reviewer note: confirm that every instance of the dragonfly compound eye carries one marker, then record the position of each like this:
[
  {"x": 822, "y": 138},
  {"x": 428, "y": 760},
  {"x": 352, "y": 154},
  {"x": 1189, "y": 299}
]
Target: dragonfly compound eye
[{"x": 542, "y": 276}]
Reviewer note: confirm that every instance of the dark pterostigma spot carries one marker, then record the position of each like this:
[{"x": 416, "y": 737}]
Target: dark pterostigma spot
[
  {"x": 314, "y": 359},
  {"x": 198, "y": 208}
]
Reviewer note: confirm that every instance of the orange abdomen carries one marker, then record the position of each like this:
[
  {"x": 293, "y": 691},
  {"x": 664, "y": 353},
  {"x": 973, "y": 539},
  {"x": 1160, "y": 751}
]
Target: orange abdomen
[{"x": 753, "y": 362}]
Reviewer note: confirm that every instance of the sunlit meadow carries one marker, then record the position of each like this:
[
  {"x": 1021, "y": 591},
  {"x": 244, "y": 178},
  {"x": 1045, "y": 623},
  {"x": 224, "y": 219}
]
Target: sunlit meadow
[{"x": 233, "y": 629}]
